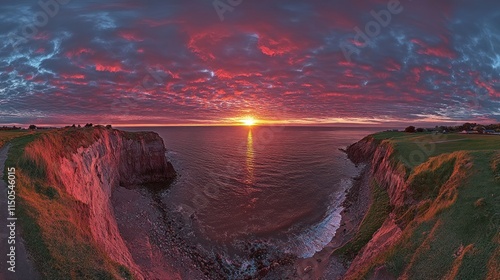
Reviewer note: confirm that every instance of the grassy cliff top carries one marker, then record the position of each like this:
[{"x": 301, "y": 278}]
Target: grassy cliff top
[
  {"x": 71, "y": 137},
  {"x": 8, "y": 135},
  {"x": 435, "y": 144},
  {"x": 451, "y": 224}
]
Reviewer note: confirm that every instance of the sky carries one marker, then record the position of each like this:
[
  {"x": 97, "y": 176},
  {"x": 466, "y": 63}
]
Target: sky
[{"x": 379, "y": 62}]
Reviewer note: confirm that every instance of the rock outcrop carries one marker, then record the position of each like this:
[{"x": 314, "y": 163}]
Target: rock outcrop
[
  {"x": 89, "y": 168},
  {"x": 387, "y": 171}
]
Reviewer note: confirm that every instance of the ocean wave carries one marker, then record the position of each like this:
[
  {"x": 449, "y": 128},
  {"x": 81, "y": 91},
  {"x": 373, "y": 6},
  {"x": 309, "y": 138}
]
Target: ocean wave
[{"x": 307, "y": 242}]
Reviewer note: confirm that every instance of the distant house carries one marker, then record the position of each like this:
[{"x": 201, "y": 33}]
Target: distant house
[{"x": 489, "y": 131}]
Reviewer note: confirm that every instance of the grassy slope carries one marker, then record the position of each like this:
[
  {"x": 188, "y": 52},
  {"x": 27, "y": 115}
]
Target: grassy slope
[
  {"x": 53, "y": 224},
  {"x": 7, "y": 135},
  {"x": 442, "y": 241},
  {"x": 374, "y": 218}
]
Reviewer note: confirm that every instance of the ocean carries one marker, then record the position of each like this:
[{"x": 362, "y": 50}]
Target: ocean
[{"x": 280, "y": 185}]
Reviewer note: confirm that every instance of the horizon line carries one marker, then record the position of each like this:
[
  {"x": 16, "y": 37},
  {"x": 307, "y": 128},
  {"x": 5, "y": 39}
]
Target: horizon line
[{"x": 401, "y": 125}]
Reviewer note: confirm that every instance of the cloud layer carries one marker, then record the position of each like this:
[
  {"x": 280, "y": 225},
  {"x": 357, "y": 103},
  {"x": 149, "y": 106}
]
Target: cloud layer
[{"x": 176, "y": 62}]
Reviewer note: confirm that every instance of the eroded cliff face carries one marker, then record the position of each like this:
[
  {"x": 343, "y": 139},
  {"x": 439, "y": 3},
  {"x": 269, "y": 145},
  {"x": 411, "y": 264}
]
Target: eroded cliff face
[
  {"x": 390, "y": 175},
  {"x": 386, "y": 171},
  {"x": 408, "y": 194},
  {"x": 88, "y": 170}
]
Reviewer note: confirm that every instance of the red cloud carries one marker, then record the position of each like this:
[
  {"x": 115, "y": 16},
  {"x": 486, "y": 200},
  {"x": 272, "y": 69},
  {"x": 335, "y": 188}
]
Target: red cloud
[
  {"x": 130, "y": 35},
  {"x": 225, "y": 74},
  {"x": 272, "y": 40},
  {"x": 73, "y": 76},
  {"x": 202, "y": 44},
  {"x": 392, "y": 65},
  {"x": 276, "y": 46},
  {"x": 41, "y": 36},
  {"x": 436, "y": 70},
  {"x": 78, "y": 52},
  {"x": 116, "y": 67},
  {"x": 348, "y": 86},
  {"x": 489, "y": 88},
  {"x": 440, "y": 51}
]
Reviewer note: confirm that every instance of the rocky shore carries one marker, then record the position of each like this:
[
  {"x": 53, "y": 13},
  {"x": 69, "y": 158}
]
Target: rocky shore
[{"x": 367, "y": 155}]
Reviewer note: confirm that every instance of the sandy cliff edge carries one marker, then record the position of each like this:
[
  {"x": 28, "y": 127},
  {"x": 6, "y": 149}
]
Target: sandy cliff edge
[{"x": 88, "y": 164}]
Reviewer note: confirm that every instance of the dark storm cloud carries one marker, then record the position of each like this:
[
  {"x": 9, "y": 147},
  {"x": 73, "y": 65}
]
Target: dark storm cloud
[{"x": 177, "y": 62}]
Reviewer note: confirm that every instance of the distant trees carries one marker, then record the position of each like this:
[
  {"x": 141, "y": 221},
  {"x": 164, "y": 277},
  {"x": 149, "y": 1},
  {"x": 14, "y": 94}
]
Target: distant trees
[
  {"x": 96, "y": 125},
  {"x": 32, "y": 126},
  {"x": 493, "y": 126},
  {"x": 10, "y": 128},
  {"x": 477, "y": 128},
  {"x": 410, "y": 129},
  {"x": 467, "y": 126}
]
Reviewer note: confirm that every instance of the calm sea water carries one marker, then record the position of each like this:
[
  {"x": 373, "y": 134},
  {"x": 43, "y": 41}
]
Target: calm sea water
[{"x": 284, "y": 185}]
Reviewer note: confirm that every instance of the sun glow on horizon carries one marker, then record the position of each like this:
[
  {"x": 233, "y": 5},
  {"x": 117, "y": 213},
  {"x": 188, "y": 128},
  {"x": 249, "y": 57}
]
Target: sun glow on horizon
[{"x": 249, "y": 121}]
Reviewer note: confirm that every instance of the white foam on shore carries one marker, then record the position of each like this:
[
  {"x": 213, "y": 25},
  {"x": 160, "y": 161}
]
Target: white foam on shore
[{"x": 315, "y": 238}]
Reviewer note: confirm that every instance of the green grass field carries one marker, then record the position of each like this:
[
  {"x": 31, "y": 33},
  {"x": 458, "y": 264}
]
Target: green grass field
[
  {"x": 451, "y": 230},
  {"x": 411, "y": 145},
  {"x": 8, "y": 135}
]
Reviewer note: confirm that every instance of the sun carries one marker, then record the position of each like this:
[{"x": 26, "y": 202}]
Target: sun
[{"x": 249, "y": 121}]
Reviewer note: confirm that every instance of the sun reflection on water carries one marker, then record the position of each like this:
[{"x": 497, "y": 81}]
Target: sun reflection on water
[{"x": 250, "y": 159}]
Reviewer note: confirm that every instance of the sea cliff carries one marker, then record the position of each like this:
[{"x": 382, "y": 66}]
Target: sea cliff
[
  {"x": 73, "y": 173},
  {"x": 385, "y": 169},
  {"x": 391, "y": 177},
  {"x": 427, "y": 232}
]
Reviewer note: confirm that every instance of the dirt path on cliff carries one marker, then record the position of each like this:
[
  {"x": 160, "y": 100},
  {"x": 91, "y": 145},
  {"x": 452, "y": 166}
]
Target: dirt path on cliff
[{"x": 24, "y": 269}]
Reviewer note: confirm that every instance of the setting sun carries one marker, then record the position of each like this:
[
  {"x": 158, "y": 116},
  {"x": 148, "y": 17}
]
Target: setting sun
[{"x": 249, "y": 121}]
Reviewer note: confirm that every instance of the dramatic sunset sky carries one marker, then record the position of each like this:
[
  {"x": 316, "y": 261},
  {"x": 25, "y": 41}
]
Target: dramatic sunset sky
[{"x": 180, "y": 62}]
